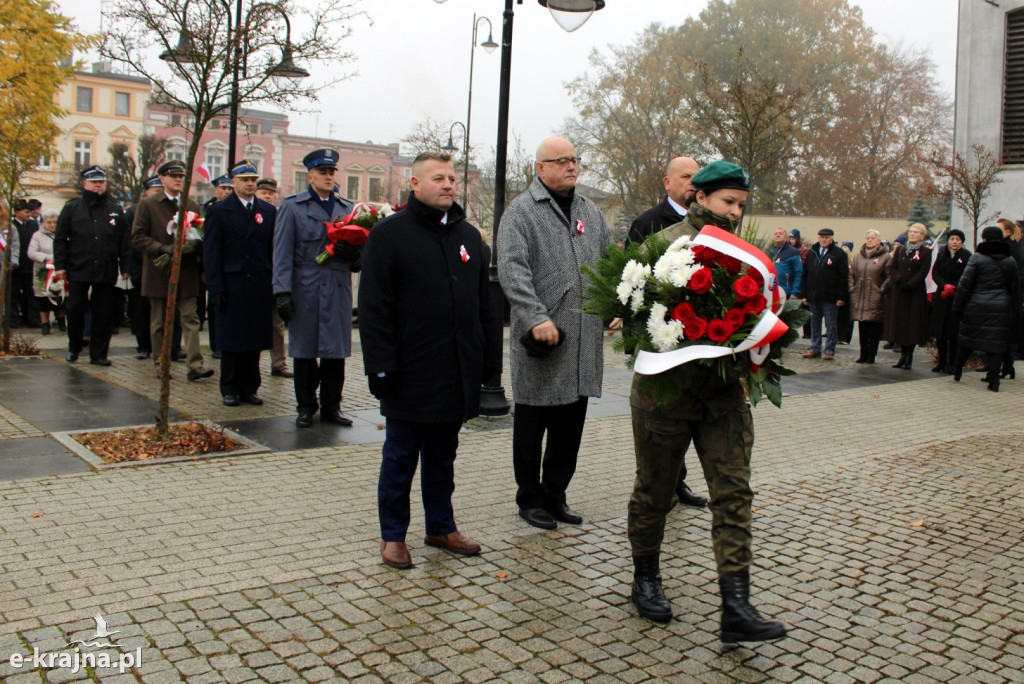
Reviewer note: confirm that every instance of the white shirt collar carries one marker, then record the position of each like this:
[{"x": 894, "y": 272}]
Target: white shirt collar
[{"x": 680, "y": 209}]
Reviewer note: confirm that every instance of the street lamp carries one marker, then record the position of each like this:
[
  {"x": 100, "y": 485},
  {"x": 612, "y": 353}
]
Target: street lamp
[
  {"x": 185, "y": 53},
  {"x": 570, "y": 15},
  {"x": 450, "y": 147}
]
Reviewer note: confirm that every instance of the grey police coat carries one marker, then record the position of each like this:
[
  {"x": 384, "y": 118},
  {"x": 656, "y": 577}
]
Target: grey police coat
[
  {"x": 540, "y": 252},
  {"x": 321, "y": 325}
]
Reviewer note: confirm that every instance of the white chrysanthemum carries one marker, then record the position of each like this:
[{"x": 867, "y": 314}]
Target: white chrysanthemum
[
  {"x": 624, "y": 290},
  {"x": 385, "y": 210},
  {"x": 635, "y": 273},
  {"x": 680, "y": 243},
  {"x": 668, "y": 336},
  {"x": 680, "y": 277},
  {"x": 675, "y": 267},
  {"x": 656, "y": 321},
  {"x": 637, "y": 299}
]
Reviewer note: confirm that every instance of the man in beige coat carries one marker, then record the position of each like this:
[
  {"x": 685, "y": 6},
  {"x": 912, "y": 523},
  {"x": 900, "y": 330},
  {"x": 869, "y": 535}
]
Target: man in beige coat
[{"x": 151, "y": 235}]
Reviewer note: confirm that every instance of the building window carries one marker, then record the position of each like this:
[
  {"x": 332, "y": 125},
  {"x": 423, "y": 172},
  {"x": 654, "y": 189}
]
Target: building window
[
  {"x": 43, "y": 163},
  {"x": 352, "y": 187},
  {"x": 300, "y": 181},
  {"x": 175, "y": 151},
  {"x": 214, "y": 124},
  {"x": 215, "y": 162},
  {"x": 175, "y": 119},
  {"x": 1013, "y": 90},
  {"x": 122, "y": 104},
  {"x": 83, "y": 99},
  {"x": 375, "y": 185},
  {"x": 255, "y": 155},
  {"x": 83, "y": 154}
]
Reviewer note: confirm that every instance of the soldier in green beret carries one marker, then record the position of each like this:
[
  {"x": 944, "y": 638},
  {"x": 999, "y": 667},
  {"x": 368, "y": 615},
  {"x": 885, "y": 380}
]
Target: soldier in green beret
[{"x": 716, "y": 417}]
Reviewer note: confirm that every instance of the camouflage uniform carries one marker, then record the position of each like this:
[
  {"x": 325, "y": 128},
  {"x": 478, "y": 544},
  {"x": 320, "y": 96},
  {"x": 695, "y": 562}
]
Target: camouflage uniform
[{"x": 716, "y": 417}]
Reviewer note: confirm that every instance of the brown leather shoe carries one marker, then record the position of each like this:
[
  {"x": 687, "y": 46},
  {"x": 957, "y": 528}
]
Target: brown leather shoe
[
  {"x": 395, "y": 555},
  {"x": 456, "y": 542},
  {"x": 828, "y": 357},
  {"x": 811, "y": 355}
]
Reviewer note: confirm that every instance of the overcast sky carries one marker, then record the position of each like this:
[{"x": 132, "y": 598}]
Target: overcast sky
[{"x": 413, "y": 61}]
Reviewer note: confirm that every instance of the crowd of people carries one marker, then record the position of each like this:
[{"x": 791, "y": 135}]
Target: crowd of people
[
  {"x": 912, "y": 291},
  {"x": 427, "y": 325}
]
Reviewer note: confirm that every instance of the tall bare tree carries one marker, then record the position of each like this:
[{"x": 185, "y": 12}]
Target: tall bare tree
[
  {"x": 210, "y": 63},
  {"x": 972, "y": 181}
]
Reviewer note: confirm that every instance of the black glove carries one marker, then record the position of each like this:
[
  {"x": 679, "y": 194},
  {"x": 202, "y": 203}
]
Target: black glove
[
  {"x": 350, "y": 253},
  {"x": 167, "y": 249},
  {"x": 284, "y": 306},
  {"x": 219, "y": 301},
  {"x": 383, "y": 385}
]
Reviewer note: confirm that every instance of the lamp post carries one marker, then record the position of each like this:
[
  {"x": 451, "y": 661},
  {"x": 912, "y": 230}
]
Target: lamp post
[
  {"x": 184, "y": 53},
  {"x": 570, "y": 15},
  {"x": 450, "y": 147}
]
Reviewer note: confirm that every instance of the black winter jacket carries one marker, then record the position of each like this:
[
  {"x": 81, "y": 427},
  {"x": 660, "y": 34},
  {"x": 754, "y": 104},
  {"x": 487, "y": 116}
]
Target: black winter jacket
[
  {"x": 425, "y": 312},
  {"x": 92, "y": 242},
  {"x": 654, "y": 220},
  {"x": 988, "y": 299},
  {"x": 825, "y": 278}
]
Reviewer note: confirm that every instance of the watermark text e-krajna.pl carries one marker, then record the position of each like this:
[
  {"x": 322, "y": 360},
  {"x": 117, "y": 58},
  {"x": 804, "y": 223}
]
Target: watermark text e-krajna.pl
[{"x": 76, "y": 660}]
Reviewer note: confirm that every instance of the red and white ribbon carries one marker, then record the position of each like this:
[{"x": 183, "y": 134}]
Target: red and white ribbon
[{"x": 767, "y": 330}]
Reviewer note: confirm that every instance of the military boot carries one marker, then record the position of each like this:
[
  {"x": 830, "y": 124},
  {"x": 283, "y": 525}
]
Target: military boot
[
  {"x": 740, "y": 622},
  {"x": 648, "y": 596}
]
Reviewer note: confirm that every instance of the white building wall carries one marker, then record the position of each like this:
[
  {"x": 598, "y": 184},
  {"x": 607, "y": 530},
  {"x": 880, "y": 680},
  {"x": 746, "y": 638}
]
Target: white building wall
[{"x": 979, "y": 100}]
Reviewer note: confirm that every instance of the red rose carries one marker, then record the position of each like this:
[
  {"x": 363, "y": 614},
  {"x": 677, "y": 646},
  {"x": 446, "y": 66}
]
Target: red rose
[
  {"x": 731, "y": 264},
  {"x": 718, "y": 330},
  {"x": 745, "y": 287},
  {"x": 704, "y": 255},
  {"x": 695, "y": 329},
  {"x": 735, "y": 317},
  {"x": 701, "y": 281},
  {"x": 683, "y": 312},
  {"x": 756, "y": 275},
  {"x": 755, "y": 304}
]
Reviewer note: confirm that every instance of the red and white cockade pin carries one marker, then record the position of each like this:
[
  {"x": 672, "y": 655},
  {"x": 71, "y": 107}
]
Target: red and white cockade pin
[
  {"x": 259, "y": 219},
  {"x": 580, "y": 225},
  {"x": 463, "y": 254},
  {"x": 917, "y": 256}
]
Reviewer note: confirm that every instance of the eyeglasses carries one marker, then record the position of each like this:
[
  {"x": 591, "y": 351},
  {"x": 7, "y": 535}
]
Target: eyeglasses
[{"x": 563, "y": 161}]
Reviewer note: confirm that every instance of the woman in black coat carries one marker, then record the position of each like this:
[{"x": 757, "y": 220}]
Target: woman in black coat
[
  {"x": 1015, "y": 238},
  {"x": 906, "y": 322},
  {"x": 944, "y": 326},
  {"x": 987, "y": 304}
]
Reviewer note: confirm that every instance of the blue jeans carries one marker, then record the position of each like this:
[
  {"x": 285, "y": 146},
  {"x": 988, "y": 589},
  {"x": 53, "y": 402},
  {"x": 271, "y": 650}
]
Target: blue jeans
[
  {"x": 828, "y": 310},
  {"x": 405, "y": 445}
]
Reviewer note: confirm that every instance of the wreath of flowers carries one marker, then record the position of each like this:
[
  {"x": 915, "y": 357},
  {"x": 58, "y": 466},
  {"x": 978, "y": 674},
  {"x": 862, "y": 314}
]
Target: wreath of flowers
[{"x": 689, "y": 296}]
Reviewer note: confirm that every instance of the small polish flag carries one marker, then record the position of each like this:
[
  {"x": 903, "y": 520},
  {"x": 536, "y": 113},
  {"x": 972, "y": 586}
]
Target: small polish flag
[
  {"x": 203, "y": 172},
  {"x": 463, "y": 253},
  {"x": 579, "y": 226}
]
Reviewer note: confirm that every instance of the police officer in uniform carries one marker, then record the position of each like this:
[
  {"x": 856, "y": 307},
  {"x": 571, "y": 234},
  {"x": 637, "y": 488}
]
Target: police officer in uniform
[
  {"x": 716, "y": 416},
  {"x": 315, "y": 299},
  {"x": 92, "y": 248}
]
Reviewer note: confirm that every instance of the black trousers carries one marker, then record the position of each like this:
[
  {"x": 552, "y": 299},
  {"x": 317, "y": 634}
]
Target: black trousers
[
  {"x": 544, "y": 481},
  {"x": 328, "y": 375},
  {"x": 102, "y": 303},
  {"x": 240, "y": 372},
  {"x": 24, "y": 299},
  {"x": 139, "y": 308},
  {"x": 870, "y": 335}
]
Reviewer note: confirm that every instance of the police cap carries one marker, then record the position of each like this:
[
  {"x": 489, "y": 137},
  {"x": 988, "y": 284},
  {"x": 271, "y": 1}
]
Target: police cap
[
  {"x": 94, "y": 173},
  {"x": 172, "y": 167},
  {"x": 244, "y": 169},
  {"x": 324, "y": 158}
]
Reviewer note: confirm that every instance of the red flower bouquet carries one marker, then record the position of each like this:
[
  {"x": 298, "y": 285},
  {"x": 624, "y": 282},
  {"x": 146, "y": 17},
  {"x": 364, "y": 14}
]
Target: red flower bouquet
[
  {"x": 353, "y": 229},
  {"x": 696, "y": 307}
]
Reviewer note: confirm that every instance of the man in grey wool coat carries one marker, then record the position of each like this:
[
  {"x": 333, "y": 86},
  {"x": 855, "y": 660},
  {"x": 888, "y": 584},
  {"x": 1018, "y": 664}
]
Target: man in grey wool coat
[{"x": 557, "y": 362}]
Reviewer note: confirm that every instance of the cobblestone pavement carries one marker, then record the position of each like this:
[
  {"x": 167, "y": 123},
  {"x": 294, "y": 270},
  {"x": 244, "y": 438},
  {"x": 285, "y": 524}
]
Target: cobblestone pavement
[{"x": 889, "y": 536}]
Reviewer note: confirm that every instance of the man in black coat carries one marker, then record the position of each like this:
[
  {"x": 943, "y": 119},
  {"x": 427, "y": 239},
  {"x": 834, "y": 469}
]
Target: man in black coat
[
  {"x": 92, "y": 247},
  {"x": 23, "y": 296},
  {"x": 825, "y": 285},
  {"x": 679, "y": 194},
  {"x": 238, "y": 261},
  {"x": 424, "y": 315}
]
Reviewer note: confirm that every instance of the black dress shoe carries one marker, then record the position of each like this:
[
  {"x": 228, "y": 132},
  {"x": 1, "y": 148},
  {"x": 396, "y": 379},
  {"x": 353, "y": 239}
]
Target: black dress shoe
[
  {"x": 142, "y": 354},
  {"x": 335, "y": 416},
  {"x": 231, "y": 400},
  {"x": 100, "y": 362},
  {"x": 71, "y": 357},
  {"x": 538, "y": 517},
  {"x": 304, "y": 419},
  {"x": 253, "y": 399},
  {"x": 199, "y": 374},
  {"x": 562, "y": 513},
  {"x": 688, "y": 497},
  {"x": 216, "y": 354}
]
